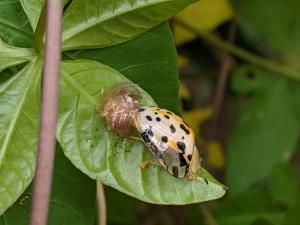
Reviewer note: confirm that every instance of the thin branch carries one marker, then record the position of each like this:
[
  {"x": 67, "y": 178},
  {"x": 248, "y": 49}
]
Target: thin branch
[
  {"x": 101, "y": 204},
  {"x": 46, "y": 148},
  {"x": 282, "y": 69},
  {"x": 226, "y": 65}
]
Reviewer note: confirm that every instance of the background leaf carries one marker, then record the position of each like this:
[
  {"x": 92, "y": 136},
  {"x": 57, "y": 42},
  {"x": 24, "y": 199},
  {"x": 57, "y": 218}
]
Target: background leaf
[
  {"x": 18, "y": 132},
  {"x": 14, "y": 27},
  {"x": 10, "y": 55},
  {"x": 247, "y": 208},
  {"x": 152, "y": 66},
  {"x": 254, "y": 148},
  {"x": 272, "y": 25},
  {"x": 66, "y": 205},
  {"x": 90, "y": 24},
  {"x": 104, "y": 156},
  {"x": 283, "y": 176}
]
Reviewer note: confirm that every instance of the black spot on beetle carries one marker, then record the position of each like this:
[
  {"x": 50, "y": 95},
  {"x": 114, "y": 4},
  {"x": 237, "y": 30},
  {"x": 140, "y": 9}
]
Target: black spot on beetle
[
  {"x": 182, "y": 160},
  {"x": 182, "y": 138},
  {"x": 185, "y": 129},
  {"x": 166, "y": 116},
  {"x": 173, "y": 130},
  {"x": 158, "y": 119},
  {"x": 156, "y": 113},
  {"x": 189, "y": 157},
  {"x": 164, "y": 139},
  {"x": 141, "y": 110},
  {"x": 146, "y": 135},
  {"x": 169, "y": 113},
  {"x": 206, "y": 181},
  {"x": 149, "y": 118},
  {"x": 175, "y": 171},
  {"x": 185, "y": 123},
  {"x": 149, "y": 132},
  {"x": 181, "y": 146}
]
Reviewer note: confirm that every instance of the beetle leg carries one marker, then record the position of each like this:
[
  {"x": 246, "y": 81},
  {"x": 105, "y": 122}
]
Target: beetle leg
[
  {"x": 149, "y": 162},
  {"x": 135, "y": 138}
]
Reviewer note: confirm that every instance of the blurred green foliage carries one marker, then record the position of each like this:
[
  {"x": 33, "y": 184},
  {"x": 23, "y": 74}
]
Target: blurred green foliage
[{"x": 261, "y": 110}]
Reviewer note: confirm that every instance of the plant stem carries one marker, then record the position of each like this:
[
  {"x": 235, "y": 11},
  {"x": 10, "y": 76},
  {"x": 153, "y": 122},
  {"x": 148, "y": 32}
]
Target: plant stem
[
  {"x": 40, "y": 30},
  {"x": 46, "y": 148},
  {"x": 101, "y": 204},
  {"x": 243, "y": 54}
]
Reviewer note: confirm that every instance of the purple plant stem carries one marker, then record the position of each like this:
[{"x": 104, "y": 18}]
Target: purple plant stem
[{"x": 46, "y": 148}]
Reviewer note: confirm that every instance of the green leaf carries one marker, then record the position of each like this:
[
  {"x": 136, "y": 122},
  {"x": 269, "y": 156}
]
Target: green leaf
[
  {"x": 267, "y": 129},
  {"x": 97, "y": 24},
  {"x": 11, "y": 56},
  {"x": 14, "y": 26},
  {"x": 72, "y": 198},
  {"x": 32, "y": 8},
  {"x": 271, "y": 24},
  {"x": 283, "y": 176},
  {"x": 102, "y": 155},
  {"x": 292, "y": 217},
  {"x": 19, "y": 103},
  {"x": 247, "y": 208},
  {"x": 153, "y": 66}
]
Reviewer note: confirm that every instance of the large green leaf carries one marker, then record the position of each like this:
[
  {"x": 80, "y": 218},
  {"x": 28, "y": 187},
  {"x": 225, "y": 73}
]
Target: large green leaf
[
  {"x": 272, "y": 25},
  {"x": 95, "y": 24},
  {"x": 19, "y": 103},
  {"x": 10, "y": 56},
  {"x": 283, "y": 176},
  {"x": 67, "y": 204},
  {"x": 14, "y": 26},
  {"x": 102, "y": 155},
  {"x": 32, "y": 8},
  {"x": 153, "y": 66},
  {"x": 267, "y": 129}
]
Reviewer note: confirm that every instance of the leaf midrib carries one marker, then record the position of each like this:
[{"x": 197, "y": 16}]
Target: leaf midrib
[
  {"x": 92, "y": 24},
  {"x": 15, "y": 119},
  {"x": 69, "y": 79}
]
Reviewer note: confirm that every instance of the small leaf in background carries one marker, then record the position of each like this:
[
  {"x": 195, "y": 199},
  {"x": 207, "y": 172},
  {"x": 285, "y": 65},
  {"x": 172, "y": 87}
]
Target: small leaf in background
[
  {"x": 85, "y": 27},
  {"x": 10, "y": 55},
  {"x": 18, "y": 132},
  {"x": 72, "y": 198},
  {"x": 271, "y": 26},
  {"x": 204, "y": 15},
  {"x": 115, "y": 161},
  {"x": 284, "y": 186},
  {"x": 15, "y": 29},
  {"x": 266, "y": 130}
]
